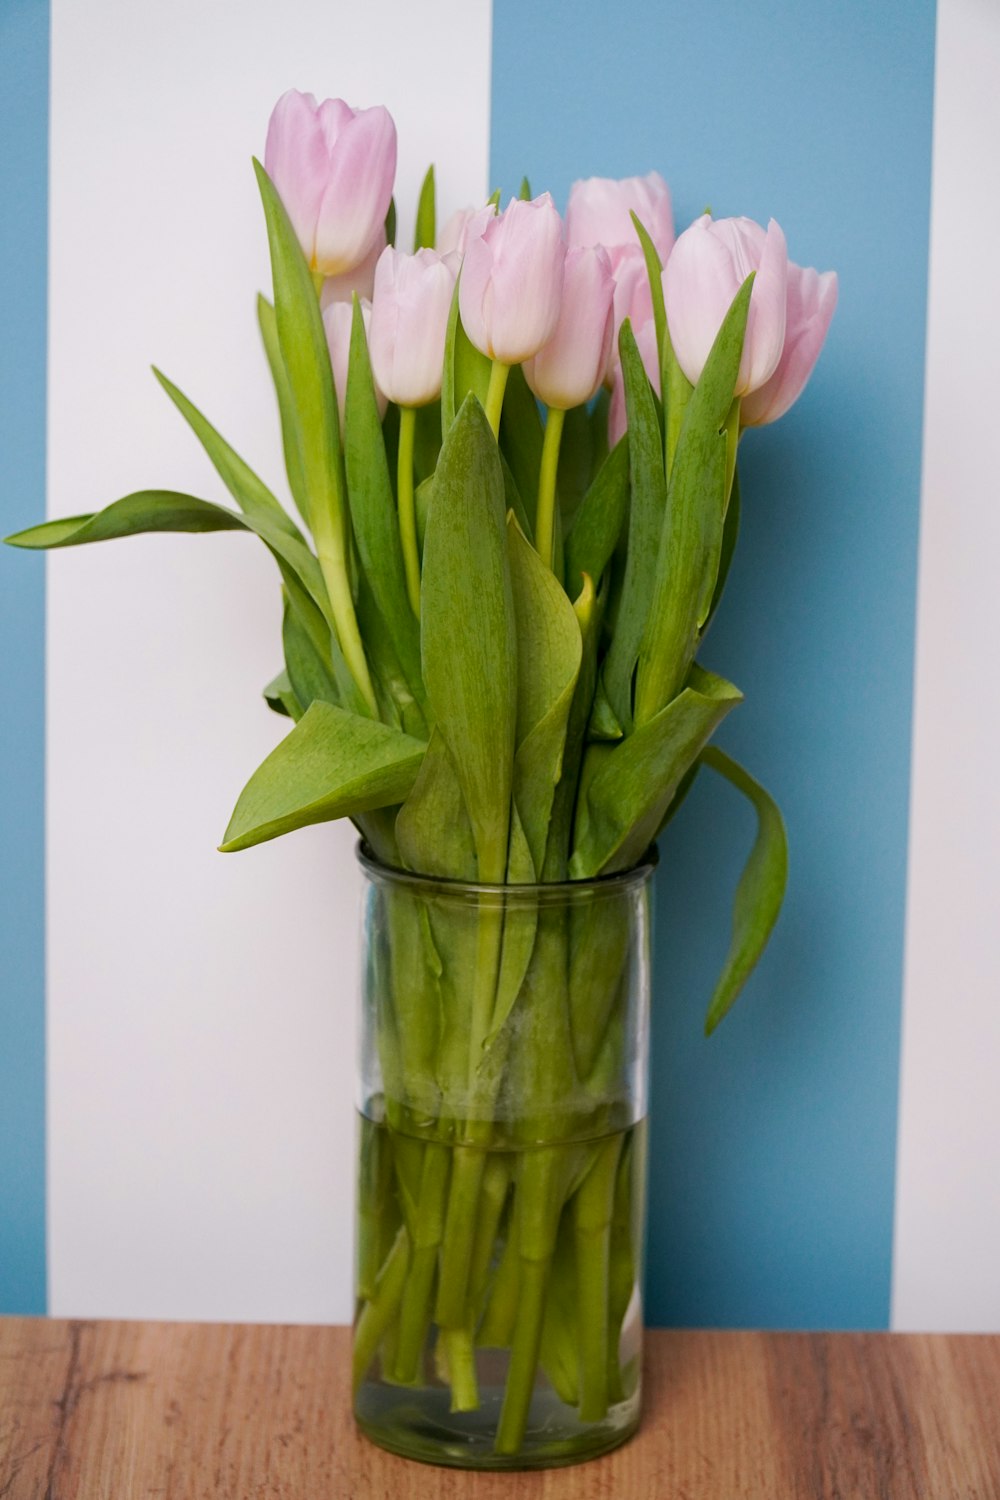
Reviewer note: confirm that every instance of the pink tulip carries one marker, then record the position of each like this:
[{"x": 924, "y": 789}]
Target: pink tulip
[
  {"x": 812, "y": 298},
  {"x": 511, "y": 283},
  {"x": 570, "y": 368},
  {"x": 645, "y": 338},
  {"x": 413, "y": 296},
  {"x": 333, "y": 167},
  {"x": 338, "y": 319},
  {"x": 453, "y": 232},
  {"x": 361, "y": 279},
  {"x": 707, "y": 267},
  {"x": 600, "y": 209}
]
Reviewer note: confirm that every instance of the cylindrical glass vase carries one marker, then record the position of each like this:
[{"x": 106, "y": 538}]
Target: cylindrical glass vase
[{"x": 501, "y": 1183}]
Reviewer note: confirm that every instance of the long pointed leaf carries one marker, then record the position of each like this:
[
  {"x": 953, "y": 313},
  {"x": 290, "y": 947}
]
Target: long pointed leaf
[
  {"x": 334, "y": 764},
  {"x": 598, "y": 523},
  {"x": 426, "y": 229},
  {"x": 465, "y": 369},
  {"x": 761, "y": 889},
  {"x": 286, "y": 410},
  {"x": 143, "y": 511}
]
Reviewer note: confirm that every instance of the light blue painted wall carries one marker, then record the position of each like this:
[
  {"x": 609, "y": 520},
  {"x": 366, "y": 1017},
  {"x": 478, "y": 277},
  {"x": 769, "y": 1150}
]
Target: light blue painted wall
[
  {"x": 773, "y": 1144},
  {"x": 24, "y": 84}
]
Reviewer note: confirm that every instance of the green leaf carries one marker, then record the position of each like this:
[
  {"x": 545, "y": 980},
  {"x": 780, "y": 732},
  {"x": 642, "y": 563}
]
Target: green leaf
[
  {"x": 577, "y": 462},
  {"x": 373, "y": 509},
  {"x": 589, "y": 613},
  {"x": 730, "y": 536},
  {"x": 598, "y": 524},
  {"x": 646, "y": 511},
  {"x": 390, "y": 222},
  {"x": 521, "y": 437},
  {"x": 465, "y": 369},
  {"x": 549, "y": 651},
  {"x": 627, "y": 788},
  {"x": 525, "y": 193},
  {"x": 250, "y": 493},
  {"x": 308, "y": 663},
  {"x": 432, "y": 826},
  {"x": 426, "y": 230},
  {"x": 334, "y": 764},
  {"x": 690, "y": 544},
  {"x": 286, "y": 411},
  {"x": 280, "y": 698},
  {"x": 143, "y": 511},
  {"x": 654, "y": 271},
  {"x": 761, "y": 889},
  {"x": 467, "y": 629}
]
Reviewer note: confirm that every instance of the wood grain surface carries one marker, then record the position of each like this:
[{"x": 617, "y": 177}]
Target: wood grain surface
[{"x": 119, "y": 1411}]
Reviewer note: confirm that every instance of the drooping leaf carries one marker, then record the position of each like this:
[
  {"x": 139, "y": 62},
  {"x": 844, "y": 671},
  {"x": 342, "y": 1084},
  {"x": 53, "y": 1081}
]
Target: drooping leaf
[
  {"x": 465, "y": 369},
  {"x": 373, "y": 509},
  {"x": 250, "y": 493},
  {"x": 627, "y": 788},
  {"x": 143, "y": 511},
  {"x": 761, "y": 888},
  {"x": 690, "y": 544},
  {"x": 598, "y": 523},
  {"x": 426, "y": 229},
  {"x": 648, "y": 499},
  {"x": 286, "y": 411},
  {"x": 467, "y": 629},
  {"x": 334, "y": 764}
]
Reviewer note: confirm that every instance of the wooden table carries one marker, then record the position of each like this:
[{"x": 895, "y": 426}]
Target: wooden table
[{"x": 124, "y": 1411}]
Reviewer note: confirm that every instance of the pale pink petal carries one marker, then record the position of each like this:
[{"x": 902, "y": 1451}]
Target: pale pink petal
[
  {"x": 359, "y": 186},
  {"x": 296, "y": 160}
]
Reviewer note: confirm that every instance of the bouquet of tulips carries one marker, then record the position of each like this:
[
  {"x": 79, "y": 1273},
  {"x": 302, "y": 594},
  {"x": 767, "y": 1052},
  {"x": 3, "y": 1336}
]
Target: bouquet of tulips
[{"x": 513, "y": 458}]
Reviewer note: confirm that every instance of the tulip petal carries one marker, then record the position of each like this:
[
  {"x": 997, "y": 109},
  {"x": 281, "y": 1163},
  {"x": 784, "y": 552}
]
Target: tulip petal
[
  {"x": 359, "y": 181},
  {"x": 765, "y": 336},
  {"x": 296, "y": 160},
  {"x": 812, "y": 299},
  {"x": 699, "y": 284}
]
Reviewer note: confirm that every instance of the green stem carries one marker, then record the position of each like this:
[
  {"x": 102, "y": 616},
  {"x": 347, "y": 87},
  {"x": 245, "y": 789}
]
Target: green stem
[
  {"x": 415, "y": 1313},
  {"x": 523, "y": 1366},
  {"x": 406, "y": 507},
  {"x": 495, "y": 393},
  {"x": 545, "y": 518},
  {"x": 593, "y": 1206},
  {"x": 380, "y": 1311},
  {"x": 497, "y": 1327},
  {"x": 460, "y": 1357},
  {"x": 328, "y": 533}
]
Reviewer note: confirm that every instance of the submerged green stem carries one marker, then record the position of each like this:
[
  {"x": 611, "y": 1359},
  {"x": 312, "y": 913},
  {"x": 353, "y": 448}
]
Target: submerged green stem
[
  {"x": 380, "y": 1311},
  {"x": 406, "y": 507},
  {"x": 545, "y": 517}
]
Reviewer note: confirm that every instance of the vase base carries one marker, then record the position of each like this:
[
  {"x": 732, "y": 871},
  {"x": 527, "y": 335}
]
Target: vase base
[{"x": 418, "y": 1424}]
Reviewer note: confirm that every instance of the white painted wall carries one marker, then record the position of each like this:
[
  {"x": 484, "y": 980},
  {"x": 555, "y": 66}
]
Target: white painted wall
[
  {"x": 947, "y": 1248},
  {"x": 200, "y": 1006}
]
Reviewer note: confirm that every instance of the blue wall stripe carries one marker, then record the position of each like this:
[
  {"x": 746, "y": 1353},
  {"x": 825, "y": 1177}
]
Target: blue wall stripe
[
  {"x": 24, "y": 104},
  {"x": 773, "y": 1143}
]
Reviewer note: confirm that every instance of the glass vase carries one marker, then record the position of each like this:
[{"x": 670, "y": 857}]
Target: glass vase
[{"x": 502, "y": 1167}]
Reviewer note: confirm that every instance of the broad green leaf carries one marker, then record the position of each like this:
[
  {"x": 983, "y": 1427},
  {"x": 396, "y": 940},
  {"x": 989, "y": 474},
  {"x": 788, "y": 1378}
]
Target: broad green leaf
[
  {"x": 627, "y": 788},
  {"x": 513, "y": 501},
  {"x": 598, "y": 523},
  {"x": 647, "y": 506},
  {"x": 334, "y": 764},
  {"x": 143, "y": 511},
  {"x": 520, "y": 924},
  {"x": 465, "y": 369},
  {"x": 279, "y": 695},
  {"x": 307, "y": 663},
  {"x": 250, "y": 493},
  {"x": 397, "y": 705},
  {"x": 521, "y": 436},
  {"x": 761, "y": 889},
  {"x": 426, "y": 230},
  {"x": 432, "y": 826},
  {"x": 286, "y": 410},
  {"x": 549, "y": 651},
  {"x": 690, "y": 543},
  {"x": 468, "y": 637},
  {"x": 373, "y": 509}
]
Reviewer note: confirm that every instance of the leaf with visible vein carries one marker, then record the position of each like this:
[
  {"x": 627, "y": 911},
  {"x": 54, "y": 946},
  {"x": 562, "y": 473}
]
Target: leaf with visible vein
[
  {"x": 598, "y": 524},
  {"x": 286, "y": 409}
]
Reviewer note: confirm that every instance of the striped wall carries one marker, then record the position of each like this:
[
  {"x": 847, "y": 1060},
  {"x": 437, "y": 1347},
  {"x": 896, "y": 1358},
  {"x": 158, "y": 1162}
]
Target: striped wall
[{"x": 193, "y": 1016}]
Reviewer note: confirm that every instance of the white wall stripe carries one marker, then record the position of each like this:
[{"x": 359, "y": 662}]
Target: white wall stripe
[
  {"x": 201, "y": 1007},
  {"x": 947, "y": 1240}
]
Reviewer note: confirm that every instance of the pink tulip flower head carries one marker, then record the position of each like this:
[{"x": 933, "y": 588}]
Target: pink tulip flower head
[
  {"x": 707, "y": 267},
  {"x": 413, "y": 296},
  {"x": 812, "y": 297},
  {"x": 333, "y": 167},
  {"x": 361, "y": 279},
  {"x": 600, "y": 213},
  {"x": 452, "y": 234},
  {"x": 570, "y": 368},
  {"x": 645, "y": 338},
  {"x": 338, "y": 320},
  {"x": 512, "y": 278}
]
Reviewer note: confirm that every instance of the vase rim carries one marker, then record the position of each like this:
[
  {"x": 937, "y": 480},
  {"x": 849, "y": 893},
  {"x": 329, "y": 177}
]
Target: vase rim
[{"x": 543, "y": 890}]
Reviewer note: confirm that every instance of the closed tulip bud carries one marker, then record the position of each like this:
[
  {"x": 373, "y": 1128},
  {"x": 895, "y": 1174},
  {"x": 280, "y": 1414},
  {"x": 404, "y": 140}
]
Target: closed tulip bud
[
  {"x": 707, "y": 267},
  {"x": 600, "y": 213},
  {"x": 570, "y": 368},
  {"x": 645, "y": 338},
  {"x": 512, "y": 278},
  {"x": 333, "y": 167},
  {"x": 338, "y": 319},
  {"x": 413, "y": 296},
  {"x": 453, "y": 232},
  {"x": 811, "y": 300},
  {"x": 361, "y": 279},
  {"x": 633, "y": 300}
]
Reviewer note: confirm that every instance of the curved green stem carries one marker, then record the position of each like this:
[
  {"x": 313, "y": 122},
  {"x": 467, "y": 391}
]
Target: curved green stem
[
  {"x": 545, "y": 517},
  {"x": 415, "y": 1312},
  {"x": 379, "y": 1312},
  {"x": 495, "y": 394},
  {"x": 406, "y": 507}
]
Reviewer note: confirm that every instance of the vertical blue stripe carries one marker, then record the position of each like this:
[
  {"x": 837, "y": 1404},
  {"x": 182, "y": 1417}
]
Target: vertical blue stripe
[
  {"x": 24, "y": 130},
  {"x": 773, "y": 1143}
]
